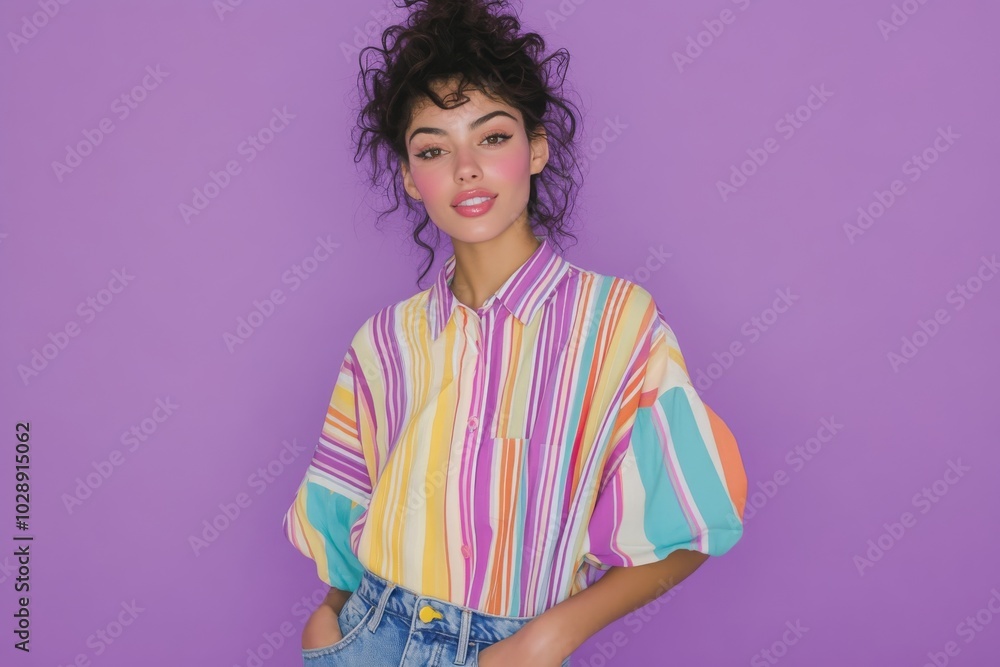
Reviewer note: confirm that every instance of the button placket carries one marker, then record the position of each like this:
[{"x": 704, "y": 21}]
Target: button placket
[
  {"x": 475, "y": 328},
  {"x": 476, "y": 332}
]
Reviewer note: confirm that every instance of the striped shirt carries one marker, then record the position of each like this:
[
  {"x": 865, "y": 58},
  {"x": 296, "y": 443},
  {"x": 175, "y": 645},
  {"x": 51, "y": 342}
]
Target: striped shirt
[{"x": 504, "y": 458}]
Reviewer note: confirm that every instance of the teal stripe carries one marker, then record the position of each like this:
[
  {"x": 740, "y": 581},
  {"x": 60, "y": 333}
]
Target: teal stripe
[
  {"x": 663, "y": 519},
  {"x": 710, "y": 495},
  {"x": 585, "y": 354},
  {"x": 332, "y": 514},
  {"x": 666, "y": 525}
]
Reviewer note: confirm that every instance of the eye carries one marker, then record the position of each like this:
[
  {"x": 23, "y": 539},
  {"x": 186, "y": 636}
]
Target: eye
[
  {"x": 502, "y": 136},
  {"x": 423, "y": 154}
]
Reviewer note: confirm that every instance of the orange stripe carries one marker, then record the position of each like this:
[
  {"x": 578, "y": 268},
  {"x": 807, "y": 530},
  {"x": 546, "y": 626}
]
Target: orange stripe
[{"x": 732, "y": 463}]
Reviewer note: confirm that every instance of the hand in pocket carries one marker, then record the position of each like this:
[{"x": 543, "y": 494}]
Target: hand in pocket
[{"x": 322, "y": 629}]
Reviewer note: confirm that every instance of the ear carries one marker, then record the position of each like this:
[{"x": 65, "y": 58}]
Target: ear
[
  {"x": 539, "y": 151},
  {"x": 408, "y": 184}
]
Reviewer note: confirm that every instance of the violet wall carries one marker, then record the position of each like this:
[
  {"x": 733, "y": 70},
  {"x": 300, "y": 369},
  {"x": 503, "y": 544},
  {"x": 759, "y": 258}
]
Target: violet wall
[{"x": 803, "y": 187}]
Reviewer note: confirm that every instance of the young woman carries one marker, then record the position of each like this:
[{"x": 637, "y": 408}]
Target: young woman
[{"x": 514, "y": 457}]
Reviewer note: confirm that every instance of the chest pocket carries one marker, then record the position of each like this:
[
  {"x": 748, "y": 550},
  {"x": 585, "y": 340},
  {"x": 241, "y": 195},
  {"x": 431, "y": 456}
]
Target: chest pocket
[
  {"x": 514, "y": 419},
  {"x": 507, "y": 426},
  {"x": 515, "y": 496}
]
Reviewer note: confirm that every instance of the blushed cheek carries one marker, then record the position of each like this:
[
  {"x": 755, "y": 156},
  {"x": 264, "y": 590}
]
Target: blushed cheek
[
  {"x": 512, "y": 167},
  {"x": 431, "y": 187}
]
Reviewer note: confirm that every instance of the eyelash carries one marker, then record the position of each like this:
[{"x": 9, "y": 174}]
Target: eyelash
[{"x": 502, "y": 135}]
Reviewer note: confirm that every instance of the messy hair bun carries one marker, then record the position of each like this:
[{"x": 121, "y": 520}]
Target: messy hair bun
[{"x": 474, "y": 43}]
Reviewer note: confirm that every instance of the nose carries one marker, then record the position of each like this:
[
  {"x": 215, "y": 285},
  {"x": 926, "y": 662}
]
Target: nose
[{"x": 466, "y": 167}]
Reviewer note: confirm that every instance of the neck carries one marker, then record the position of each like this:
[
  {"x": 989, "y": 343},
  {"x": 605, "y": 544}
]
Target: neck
[{"x": 482, "y": 268}]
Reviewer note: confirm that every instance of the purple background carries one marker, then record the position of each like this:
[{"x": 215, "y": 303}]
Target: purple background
[{"x": 651, "y": 185}]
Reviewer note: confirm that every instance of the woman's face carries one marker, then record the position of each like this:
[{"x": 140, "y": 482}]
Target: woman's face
[{"x": 479, "y": 145}]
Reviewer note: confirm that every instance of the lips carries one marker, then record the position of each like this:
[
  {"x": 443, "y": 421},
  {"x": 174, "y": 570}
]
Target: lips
[{"x": 471, "y": 194}]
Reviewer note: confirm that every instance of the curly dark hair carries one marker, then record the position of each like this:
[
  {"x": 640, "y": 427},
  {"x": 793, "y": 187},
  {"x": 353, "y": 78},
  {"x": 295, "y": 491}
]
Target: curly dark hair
[{"x": 473, "y": 43}]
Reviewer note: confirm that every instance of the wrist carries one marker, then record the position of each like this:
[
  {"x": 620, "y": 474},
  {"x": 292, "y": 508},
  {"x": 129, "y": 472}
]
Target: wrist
[
  {"x": 335, "y": 600},
  {"x": 547, "y": 639}
]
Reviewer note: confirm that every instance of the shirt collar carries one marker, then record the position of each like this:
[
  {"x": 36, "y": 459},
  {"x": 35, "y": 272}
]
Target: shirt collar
[{"x": 521, "y": 294}]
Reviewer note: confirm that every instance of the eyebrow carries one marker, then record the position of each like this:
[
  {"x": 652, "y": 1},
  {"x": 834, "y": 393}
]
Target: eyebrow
[{"x": 473, "y": 125}]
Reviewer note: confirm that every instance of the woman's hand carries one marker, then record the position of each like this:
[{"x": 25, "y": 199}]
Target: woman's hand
[
  {"x": 322, "y": 628},
  {"x": 519, "y": 650}
]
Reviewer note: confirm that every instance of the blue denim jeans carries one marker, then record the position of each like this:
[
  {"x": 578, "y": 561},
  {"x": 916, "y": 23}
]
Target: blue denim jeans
[{"x": 386, "y": 625}]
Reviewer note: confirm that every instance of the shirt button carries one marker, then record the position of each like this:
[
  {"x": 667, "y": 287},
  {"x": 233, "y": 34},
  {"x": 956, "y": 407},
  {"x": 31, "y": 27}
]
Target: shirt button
[
  {"x": 466, "y": 551},
  {"x": 473, "y": 423}
]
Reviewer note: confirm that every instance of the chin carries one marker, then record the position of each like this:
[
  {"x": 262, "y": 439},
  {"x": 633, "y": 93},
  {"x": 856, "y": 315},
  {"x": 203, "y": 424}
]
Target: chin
[
  {"x": 479, "y": 235},
  {"x": 474, "y": 230}
]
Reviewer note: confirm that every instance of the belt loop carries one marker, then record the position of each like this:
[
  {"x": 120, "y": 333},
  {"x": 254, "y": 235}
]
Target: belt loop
[
  {"x": 373, "y": 623},
  {"x": 463, "y": 637}
]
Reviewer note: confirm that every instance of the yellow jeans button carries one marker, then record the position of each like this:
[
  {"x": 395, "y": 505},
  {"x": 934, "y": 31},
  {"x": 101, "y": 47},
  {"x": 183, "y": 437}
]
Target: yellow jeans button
[{"x": 429, "y": 613}]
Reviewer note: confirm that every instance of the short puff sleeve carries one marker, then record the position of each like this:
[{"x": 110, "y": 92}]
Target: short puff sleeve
[
  {"x": 325, "y": 519},
  {"x": 677, "y": 481}
]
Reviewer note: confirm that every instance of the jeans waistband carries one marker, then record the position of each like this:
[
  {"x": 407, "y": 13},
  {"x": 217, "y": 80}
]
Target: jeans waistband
[{"x": 430, "y": 613}]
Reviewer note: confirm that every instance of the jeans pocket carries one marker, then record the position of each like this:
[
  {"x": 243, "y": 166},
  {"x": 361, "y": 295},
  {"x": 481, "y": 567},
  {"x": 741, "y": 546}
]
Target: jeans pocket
[{"x": 352, "y": 619}]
